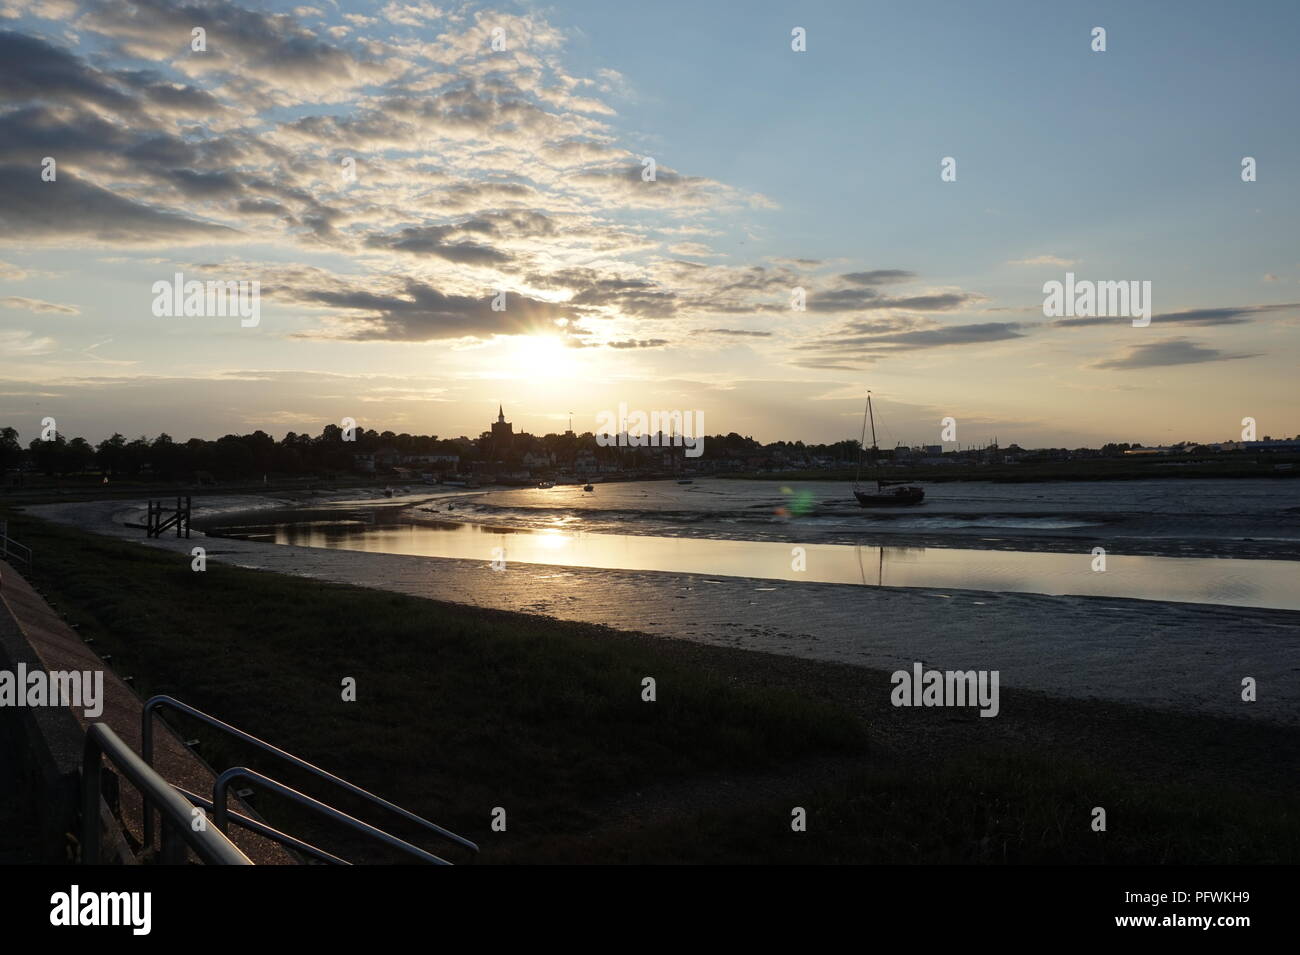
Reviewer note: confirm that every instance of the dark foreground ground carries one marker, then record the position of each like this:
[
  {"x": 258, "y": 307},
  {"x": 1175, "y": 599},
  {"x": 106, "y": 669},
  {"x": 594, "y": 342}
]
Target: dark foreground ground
[{"x": 462, "y": 710}]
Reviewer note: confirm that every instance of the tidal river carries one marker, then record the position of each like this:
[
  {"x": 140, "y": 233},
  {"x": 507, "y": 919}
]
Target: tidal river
[{"x": 1230, "y": 543}]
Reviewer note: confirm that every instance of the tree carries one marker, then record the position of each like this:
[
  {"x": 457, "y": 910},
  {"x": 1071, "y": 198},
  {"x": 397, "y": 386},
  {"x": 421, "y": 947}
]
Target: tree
[
  {"x": 109, "y": 454},
  {"x": 49, "y": 455},
  {"x": 79, "y": 455},
  {"x": 11, "y": 451}
]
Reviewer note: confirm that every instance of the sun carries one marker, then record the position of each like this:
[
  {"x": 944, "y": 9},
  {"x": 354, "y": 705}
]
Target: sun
[{"x": 533, "y": 357}]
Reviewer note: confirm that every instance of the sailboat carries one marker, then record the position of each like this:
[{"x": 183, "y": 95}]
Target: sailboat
[{"x": 901, "y": 493}]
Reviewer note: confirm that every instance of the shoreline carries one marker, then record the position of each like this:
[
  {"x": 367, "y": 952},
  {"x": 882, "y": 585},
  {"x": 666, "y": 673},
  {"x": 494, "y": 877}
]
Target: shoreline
[
  {"x": 542, "y": 716},
  {"x": 1180, "y": 657}
]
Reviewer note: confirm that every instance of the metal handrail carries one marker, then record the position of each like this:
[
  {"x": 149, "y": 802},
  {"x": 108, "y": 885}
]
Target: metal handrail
[
  {"x": 210, "y": 844},
  {"x": 269, "y": 832},
  {"x": 146, "y": 749},
  {"x": 6, "y": 543},
  {"x": 219, "y": 811}
]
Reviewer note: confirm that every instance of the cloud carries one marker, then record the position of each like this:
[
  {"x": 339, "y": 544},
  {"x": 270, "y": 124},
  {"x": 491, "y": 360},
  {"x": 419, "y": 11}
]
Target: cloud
[
  {"x": 13, "y": 273},
  {"x": 432, "y": 240},
  {"x": 37, "y": 305},
  {"x": 831, "y": 365},
  {"x": 41, "y": 9},
  {"x": 877, "y": 277},
  {"x": 858, "y": 299},
  {"x": 975, "y": 334},
  {"x": 841, "y": 300},
  {"x": 15, "y": 342},
  {"x": 411, "y": 14},
  {"x": 71, "y": 208},
  {"x": 633, "y": 343},
  {"x": 935, "y": 302},
  {"x": 1045, "y": 260},
  {"x": 1227, "y": 315},
  {"x": 415, "y": 311},
  {"x": 695, "y": 250},
  {"x": 1174, "y": 351},
  {"x": 273, "y": 49},
  {"x": 871, "y": 339},
  {"x": 670, "y": 189},
  {"x": 475, "y": 169},
  {"x": 31, "y": 68}
]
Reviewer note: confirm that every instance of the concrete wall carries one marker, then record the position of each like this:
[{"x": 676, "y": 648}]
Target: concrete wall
[{"x": 45, "y": 743}]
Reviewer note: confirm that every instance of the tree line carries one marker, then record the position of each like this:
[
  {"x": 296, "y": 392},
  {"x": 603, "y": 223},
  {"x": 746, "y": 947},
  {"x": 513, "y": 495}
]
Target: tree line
[{"x": 253, "y": 455}]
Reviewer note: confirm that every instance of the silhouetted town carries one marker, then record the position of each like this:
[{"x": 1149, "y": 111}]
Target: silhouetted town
[{"x": 500, "y": 455}]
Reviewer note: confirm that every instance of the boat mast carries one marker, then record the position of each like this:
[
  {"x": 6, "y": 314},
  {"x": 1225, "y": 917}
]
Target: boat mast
[
  {"x": 862, "y": 442},
  {"x": 873, "y": 425},
  {"x": 875, "y": 452}
]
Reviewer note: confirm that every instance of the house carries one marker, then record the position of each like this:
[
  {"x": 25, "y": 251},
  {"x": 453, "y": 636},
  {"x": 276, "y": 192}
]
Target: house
[{"x": 380, "y": 460}]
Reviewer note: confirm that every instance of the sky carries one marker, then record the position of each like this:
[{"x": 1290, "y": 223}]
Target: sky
[{"x": 503, "y": 148}]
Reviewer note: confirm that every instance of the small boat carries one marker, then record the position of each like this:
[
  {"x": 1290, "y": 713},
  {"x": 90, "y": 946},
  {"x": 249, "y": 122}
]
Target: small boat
[
  {"x": 588, "y": 487},
  {"x": 545, "y": 485},
  {"x": 686, "y": 481},
  {"x": 902, "y": 493},
  {"x": 898, "y": 497}
]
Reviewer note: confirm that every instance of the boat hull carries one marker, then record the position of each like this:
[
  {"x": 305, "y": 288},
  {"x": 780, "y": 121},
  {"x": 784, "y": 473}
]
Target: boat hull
[{"x": 903, "y": 497}]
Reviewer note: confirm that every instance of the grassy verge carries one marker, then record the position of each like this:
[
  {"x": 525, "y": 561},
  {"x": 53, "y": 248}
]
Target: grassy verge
[{"x": 461, "y": 710}]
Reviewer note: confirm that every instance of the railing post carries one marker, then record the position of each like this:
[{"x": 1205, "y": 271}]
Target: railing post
[
  {"x": 91, "y": 775},
  {"x": 175, "y": 811},
  {"x": 146, "y": 753},
  {"x": 173, "y": 849},
  {"x": 219, "y": 809}
]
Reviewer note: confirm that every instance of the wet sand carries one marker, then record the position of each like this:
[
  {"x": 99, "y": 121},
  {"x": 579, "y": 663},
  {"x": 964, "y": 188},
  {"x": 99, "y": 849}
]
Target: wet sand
[{"x": 1184, "y": 657}]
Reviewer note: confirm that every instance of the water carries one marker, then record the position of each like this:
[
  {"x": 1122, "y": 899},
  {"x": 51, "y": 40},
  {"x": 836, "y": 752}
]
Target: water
[
  {"x": 1221, "y": 518},
  {"x": 724, "y": 528}
]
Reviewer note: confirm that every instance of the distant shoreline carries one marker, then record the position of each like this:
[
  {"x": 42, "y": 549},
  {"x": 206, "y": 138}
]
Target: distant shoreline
[{"x": 1035, "y": 473}]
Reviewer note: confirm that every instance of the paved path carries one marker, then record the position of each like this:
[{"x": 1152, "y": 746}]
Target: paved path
[{"x": 59, "y": 648}]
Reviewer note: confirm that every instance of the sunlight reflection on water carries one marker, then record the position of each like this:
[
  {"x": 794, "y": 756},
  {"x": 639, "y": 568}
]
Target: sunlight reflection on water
[{"x": 1231, "y": 582}]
